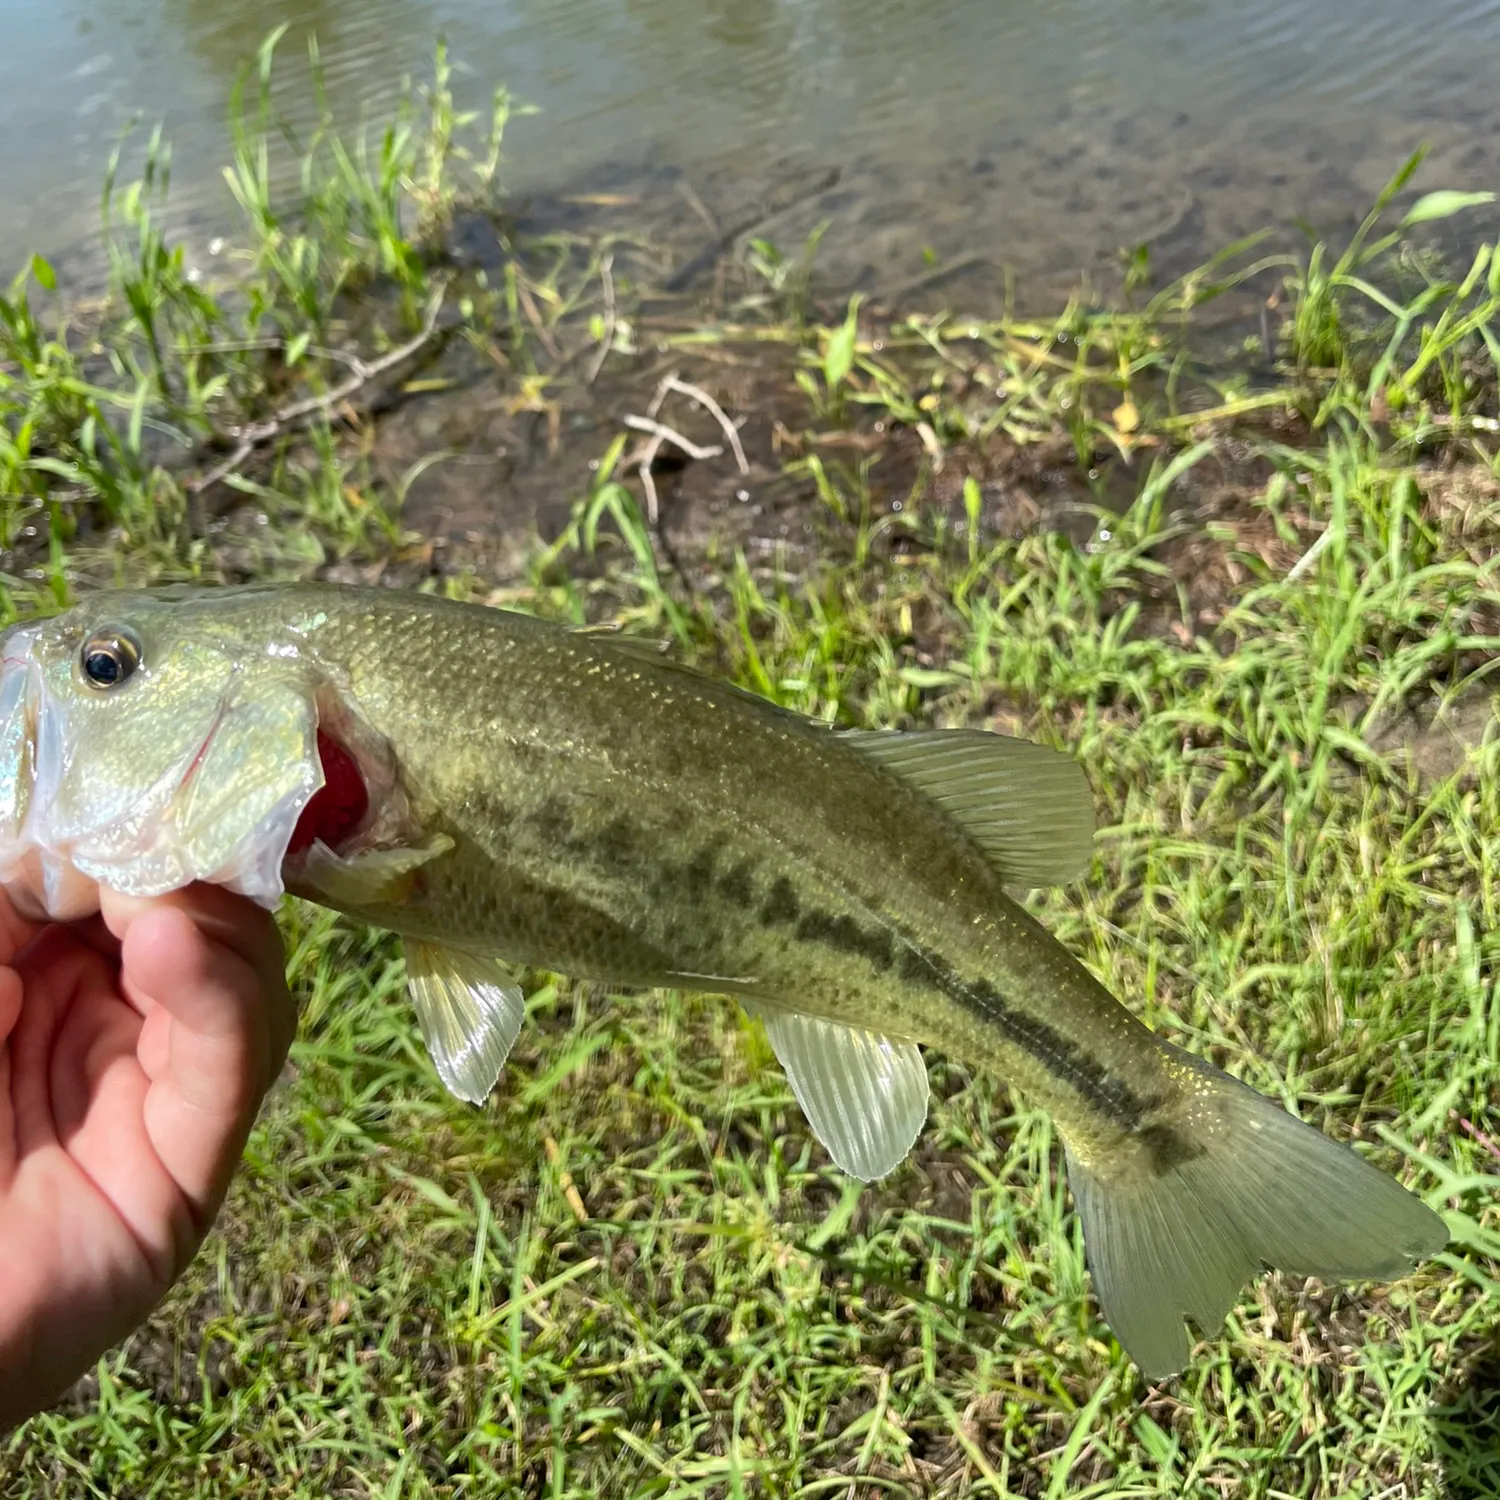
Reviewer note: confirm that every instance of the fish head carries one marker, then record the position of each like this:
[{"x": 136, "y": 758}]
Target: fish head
[{"x": 148, "y": 740}]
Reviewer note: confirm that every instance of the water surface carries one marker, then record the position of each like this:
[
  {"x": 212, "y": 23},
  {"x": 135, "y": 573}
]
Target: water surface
[{"x": 1044, "y": 136}]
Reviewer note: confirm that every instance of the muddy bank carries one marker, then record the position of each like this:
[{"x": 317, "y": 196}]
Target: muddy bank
[{"x": 492, "y": 441}]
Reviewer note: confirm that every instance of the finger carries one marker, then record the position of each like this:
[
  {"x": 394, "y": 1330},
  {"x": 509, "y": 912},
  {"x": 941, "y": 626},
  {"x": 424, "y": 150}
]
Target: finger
[
  {"x": 62, "y": 1039},
  {"x": 239, "y": 925},
  {"x": 219, "y": 1054},
  {"x": 233, "y": 920},
  {"x": 16, "y": 930},
  {"x": 93, "y": 931},
  {"x": 10, "y": 1012},
  {"x": 10, "y": 1002},
  {"x": 75, "y": 1084}
]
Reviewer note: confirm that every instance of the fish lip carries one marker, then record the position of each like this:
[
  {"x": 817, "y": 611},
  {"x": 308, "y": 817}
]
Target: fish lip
[
  {"x": 20, "y": 858},
  {"x": 25, "y": 705},
  {"x": 27, "y": 630}
]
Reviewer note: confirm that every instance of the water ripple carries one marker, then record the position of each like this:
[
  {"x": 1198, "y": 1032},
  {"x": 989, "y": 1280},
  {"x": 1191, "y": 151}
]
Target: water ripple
[{"x": 1087, "y": 91}]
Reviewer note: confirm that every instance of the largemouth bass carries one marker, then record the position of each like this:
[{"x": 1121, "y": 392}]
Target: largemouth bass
[{"x": 508, "y": 793}]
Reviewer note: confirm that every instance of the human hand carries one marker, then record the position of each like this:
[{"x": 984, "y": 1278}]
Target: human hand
[{"x": 135, "y": 1050}]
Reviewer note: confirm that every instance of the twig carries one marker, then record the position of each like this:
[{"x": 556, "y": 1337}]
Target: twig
[
  {"x": 664, "y": 386},
  {"x": 364, "y": 372},
  {"x": 696, "y": 393},
  {"x": 680, "y": 279},
  {"x": 1309, "y": 557},
  {"x": 699, "y": 207},
  {"x": 1481, "y": 1137},
  {"x": 251, "y": 346},
  {"x": 529, "y": 307},
  {"x": 607, "y": 339},
  {"x": 660, "y": 431},
  {"x": 1173, "y": 221},
  {"x": 565, "y": 1180},
  {"x": 648, "y": 484},
  {"x": 221, "y": 471},
  {"x": 931, "y": 276}
]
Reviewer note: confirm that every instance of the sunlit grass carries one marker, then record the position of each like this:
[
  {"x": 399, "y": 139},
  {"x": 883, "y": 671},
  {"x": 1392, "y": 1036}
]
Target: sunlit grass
[{"x": 632, "y": 1272}]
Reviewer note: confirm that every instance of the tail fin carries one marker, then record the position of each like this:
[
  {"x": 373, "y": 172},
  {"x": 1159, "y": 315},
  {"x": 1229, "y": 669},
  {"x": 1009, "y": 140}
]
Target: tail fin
[{"x": 1252, "y": 1188}]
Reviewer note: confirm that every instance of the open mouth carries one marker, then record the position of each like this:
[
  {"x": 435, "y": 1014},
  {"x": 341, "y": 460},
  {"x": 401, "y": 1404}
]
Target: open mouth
[
  {"x": 356, "y": 843},
  {"x": 339, "y": 806},
  {"x": 361, "y": 813}
]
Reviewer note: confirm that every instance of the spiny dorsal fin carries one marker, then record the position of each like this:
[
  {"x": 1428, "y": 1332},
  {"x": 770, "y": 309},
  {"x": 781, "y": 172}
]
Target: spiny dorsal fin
[
  {"x": 1028, "y": 807},
  {"x": 864, "y": 1094},
  {"x": 648, "y": 651},
  {"x": 470, "y": 1010}
]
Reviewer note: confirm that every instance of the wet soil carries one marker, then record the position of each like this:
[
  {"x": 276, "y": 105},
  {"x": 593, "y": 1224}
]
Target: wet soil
[{"x": 491, "y": 460}]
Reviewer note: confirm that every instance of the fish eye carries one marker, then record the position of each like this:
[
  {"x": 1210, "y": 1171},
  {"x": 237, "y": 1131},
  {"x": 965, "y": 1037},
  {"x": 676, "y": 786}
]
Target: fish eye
[{"x": 109, "y": 656}]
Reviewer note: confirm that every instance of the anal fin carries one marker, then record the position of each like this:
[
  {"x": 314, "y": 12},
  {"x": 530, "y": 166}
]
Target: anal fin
[
  {"x": 470, "y": 1010},
  {"x": 864, "y": 1094}
]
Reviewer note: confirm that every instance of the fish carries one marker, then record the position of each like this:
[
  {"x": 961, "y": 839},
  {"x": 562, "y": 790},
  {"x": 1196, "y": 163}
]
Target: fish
[{"x": 510, "y": 794}]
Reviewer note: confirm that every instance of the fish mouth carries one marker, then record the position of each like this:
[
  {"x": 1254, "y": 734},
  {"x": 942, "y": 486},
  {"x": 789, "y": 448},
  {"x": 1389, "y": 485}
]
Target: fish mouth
[
  {"x": 335, "y": 811},
  {"x": 360, "y": 803}
]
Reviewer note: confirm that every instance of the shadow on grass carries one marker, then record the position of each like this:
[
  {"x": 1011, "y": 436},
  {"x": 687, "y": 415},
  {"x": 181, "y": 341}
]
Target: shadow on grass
[{"x": 1465, "y": 1421}]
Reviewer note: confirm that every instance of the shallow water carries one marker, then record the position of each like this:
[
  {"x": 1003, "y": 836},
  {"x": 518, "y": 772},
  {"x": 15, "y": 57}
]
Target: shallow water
[{"x": 1044, "y": 137}]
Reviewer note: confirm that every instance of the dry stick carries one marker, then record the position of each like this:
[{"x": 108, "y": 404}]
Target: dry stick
[
  {"x": 1481, "y": 1137},
  {"x": 606, "y": 341},
  {"x": 565, "y": 1180},
  {"x": 642, "y": 462},
  {"x": 643, "y": 467},
  {"x": 711, "y": 253},
  {"x": 1311, "y": 556},
  {"x": 251, "y": 346},
  {"x": 664, "y": 385},
  {"x": 529, "y": 307},
  {"x": 660, "y": 433},
  {"x": 660, "y": 430},
  {"x": 645, "y": 457},
  {"x": 699, "y": 207},
  {"x": 253, "y": 436},
  {"x": 931, "y": 276},
  {"x": 1163, "y": 227},
  {"x": 696, "y": 393}
]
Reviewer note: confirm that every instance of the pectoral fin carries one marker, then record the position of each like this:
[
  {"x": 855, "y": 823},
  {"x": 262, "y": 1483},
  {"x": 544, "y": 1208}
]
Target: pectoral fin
[
  {"x": 376, "y": 877},
  {"x": 470, "y": 1010},
  {"x": 1028, "y": 807},
  {"x": 864, "y": 1095}
]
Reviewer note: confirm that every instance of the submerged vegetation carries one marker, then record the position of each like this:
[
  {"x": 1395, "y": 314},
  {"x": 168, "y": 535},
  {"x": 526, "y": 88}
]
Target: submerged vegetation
[{"x": 1249, "y": 577}]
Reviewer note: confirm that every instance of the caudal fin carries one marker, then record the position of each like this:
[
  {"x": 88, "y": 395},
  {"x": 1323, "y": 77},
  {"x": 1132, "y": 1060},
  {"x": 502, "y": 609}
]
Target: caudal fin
[{"x": 1251, "y": 1188}]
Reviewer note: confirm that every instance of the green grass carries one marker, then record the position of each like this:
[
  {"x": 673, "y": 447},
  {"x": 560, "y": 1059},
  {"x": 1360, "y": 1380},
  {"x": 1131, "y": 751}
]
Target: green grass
[
  {"x": 632, "y": 1272},
  {"x": 121, "y": 418}
]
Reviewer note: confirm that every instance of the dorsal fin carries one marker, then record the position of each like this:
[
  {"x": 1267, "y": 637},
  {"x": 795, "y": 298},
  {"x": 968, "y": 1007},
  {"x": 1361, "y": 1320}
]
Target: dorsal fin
[
  {"x": 1028, "y": 807},
  {"x": 649, "y": 651}
]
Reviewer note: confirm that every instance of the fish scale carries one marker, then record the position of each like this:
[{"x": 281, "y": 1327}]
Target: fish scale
[{"x": 535, "y": 796}]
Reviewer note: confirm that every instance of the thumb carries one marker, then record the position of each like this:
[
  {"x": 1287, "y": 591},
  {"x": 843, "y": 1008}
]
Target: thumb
[{"x": 205, "y": 970}]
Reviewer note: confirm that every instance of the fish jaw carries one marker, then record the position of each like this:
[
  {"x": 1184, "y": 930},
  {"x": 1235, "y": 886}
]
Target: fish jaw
[{"x": 17, "y": 733}]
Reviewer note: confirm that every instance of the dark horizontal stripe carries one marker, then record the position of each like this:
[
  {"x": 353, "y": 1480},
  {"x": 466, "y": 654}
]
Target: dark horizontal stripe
[
  {"x": 620, "y": 847},
  {"x": 1106, "y": 1092}
]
